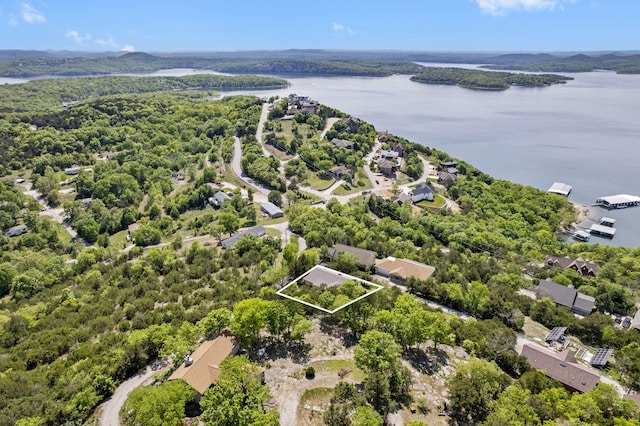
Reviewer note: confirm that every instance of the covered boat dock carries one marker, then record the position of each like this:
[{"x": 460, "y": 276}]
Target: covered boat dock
[
  {"x": 619, "y": 201},
  {"x": 560, "y": 188}
]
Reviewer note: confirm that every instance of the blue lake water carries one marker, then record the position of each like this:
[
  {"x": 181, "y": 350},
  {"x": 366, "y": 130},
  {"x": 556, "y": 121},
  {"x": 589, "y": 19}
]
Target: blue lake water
[{"x": 585, "y": 133}]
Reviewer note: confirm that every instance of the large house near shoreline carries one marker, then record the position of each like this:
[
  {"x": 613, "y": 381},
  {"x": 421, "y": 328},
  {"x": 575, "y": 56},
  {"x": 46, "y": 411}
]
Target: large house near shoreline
[
  {"x": 584, "y": 267},
  {"x": 568, "y": 297}
]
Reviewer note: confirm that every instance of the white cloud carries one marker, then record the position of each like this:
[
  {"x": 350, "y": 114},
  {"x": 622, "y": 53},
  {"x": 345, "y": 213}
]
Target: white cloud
[
  {"x": 108, "y": 42},
  {"x": 339, "y": 28},
  {"x": 77, "y": 37},
  {"x": 127, "y": 48},
  {"x": 30, "y": 15},
  {"x": 499, "y": 7}
]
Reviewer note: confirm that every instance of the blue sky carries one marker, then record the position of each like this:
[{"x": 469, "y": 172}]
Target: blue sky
[{"x": 215, "y": 25}]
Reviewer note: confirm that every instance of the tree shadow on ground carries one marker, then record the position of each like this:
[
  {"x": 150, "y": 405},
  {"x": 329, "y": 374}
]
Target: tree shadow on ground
[
  {"x": 426, "y": 360},
  {"x": 334, "y": 328},
  {"x": 271, "y": 349}
]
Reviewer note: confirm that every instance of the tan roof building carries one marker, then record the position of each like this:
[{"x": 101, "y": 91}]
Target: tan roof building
[
  {"x": 201, "y": 369},
  {"x": 562, "y": 367},
  {"x": 401, "y": 269}
]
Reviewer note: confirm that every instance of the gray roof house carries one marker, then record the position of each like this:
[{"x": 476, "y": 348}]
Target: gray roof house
[
  {"x": 562, "y": 367},
  {"x": 421, "y": 192},
  {"x": 271, "y": 209},
  {"x": 569, "y": 297},
  {"x": 635, "y": 323},
  {"x": 14, "y": 231},
  {"x": 342, "y": 143},
  {"x": 339, "y": 171},
  {"x": 385, "y": 153},
  {"x": 387, "y": 167},
  {"x": 218, "y": 199},
  {"x": 366, "y": 258},
  {"x": 319, "y": 277},
  {"x": 257, "y": 231}
]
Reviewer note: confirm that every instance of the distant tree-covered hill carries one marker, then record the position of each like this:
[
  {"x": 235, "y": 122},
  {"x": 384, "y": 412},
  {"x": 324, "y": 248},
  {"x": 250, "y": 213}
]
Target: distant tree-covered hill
[
  {"x": 629, "y": 64},
  {"x": 44, "y": 94},
  {"x": 486, "y": 80},
  {"x": 139, "y": 62}
]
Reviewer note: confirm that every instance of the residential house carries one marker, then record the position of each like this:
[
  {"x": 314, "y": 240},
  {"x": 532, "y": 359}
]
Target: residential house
[
  {"x": 218, "y": 199},
  {"x": 446, "y": 178},
  {"x": 310, "y": 107},
  {"x": 294, "y": 99},
  {"x": 398, "y": 270},
  {"x": 387, "y": 167},
  {"x": 385, "y": 153},
  {"x": 397, "y": 147},
  {"x": 384, "y": 136},
  {"x": 444, "y": 165},
  {"x": 423, "y": 191},
  {"x": 342, "y": 143},
  {"x": 353, "y": 124},
  {"x": 339, "y": 172},
  {"x": 568, "y": 297},
  {"x": 14, "y": 231},
  {"x": 402, "y": 198},
  {"x": 271, "y": 210},
  {"x": 562, "y": 367},
  {"x": 584, "y": 267},
  {"x": 321, "y": 276},
  {"x": 257, "y": 231},
  {"x": 367, "y": 258},
  {"x": 71, "y": 171},
  {"x": 201, "y": 369}
]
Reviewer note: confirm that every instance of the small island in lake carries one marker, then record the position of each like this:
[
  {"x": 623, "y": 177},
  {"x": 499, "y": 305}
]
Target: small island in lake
[{"x": 486, "y": 80}]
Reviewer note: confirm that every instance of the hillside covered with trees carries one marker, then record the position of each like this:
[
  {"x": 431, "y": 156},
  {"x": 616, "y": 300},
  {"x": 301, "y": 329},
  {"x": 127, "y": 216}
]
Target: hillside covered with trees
[
  {"x": 79, "y": 315},
  {"x": 486, "y": 80}
]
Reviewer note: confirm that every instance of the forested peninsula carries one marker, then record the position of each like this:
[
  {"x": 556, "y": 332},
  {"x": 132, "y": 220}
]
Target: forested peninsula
[
  {"x": 39, "y": 95},
  {"x": 486, "y": 80},
  {"x": 138, "y": 228},
  {"x": 621, "y": 64},
  {"x": 141, "y": 62}
]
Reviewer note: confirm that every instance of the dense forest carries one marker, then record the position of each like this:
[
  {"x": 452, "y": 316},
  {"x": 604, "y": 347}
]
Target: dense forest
[
  {"x": 486, "y": 80},
  {"x": 40, "y": 95},
  {"x": 78, "y": 315},
  {"x": 142, "y": 62},
  {"x": 627, "y": 64}
]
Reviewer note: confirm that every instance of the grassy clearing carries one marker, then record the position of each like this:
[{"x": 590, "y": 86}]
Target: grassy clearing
[
  {"x": 438, "y": 201},
  {"x": 319, "y": 182},
  {"x": 339, "y": 365},
  {"x": 317, "y": 397},
  {"x": 302, "y": 197},
  {"x": 119, "y": 239}
]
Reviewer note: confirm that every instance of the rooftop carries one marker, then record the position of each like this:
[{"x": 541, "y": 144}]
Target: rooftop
[
  {"x": 366, "y": 257},
  {"x": 405, "y": 268},
  {"x": 204, "y": 367},
  {"x": 560, "y": 188}
]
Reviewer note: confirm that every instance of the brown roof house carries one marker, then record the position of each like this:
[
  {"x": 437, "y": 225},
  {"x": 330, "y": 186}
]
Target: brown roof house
[
  {"x": 353, "y": 124},
  {"x": 201, "y": 369},
  {"x": 387, "y": 167},
  {"x": 569, "y": 297},
  {"x": 584, "y": 267},
  {"x": 398, "y": 270},
  {"x": 367, "y": 258},
  {"x": 397, "y": 147},
  {"x": 561, "y": 366}
]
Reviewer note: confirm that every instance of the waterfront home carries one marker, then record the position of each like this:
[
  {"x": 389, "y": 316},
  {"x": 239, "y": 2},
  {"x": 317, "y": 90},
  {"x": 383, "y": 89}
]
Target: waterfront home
[
  {"x": 397, "y": 147},
  {"x": 422, "y": 191},
  {"x": 342, "y": 143},
  {"x": 353, "y": 124},
  {"x": 387, "y": 167}
]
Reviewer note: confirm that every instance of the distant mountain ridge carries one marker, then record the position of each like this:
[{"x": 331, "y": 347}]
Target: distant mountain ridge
[{"x": 21, "y": 63}]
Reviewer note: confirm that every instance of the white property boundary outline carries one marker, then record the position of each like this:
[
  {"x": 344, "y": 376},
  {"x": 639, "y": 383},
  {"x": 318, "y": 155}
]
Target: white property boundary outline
[{"x": 320, "y": 308}]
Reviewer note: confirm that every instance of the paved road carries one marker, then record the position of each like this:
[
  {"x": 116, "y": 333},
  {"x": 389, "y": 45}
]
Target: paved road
[
  {"x": 260, "y": 129},
  {"x": 110, "y": 415},
  {"x": 236, "y": 166}
]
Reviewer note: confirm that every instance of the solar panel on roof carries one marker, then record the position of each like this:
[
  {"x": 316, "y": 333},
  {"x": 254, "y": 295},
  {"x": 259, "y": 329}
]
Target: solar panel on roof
[
  {"x": 555, "y": 334},
  {"x": 601, "y": 356}
]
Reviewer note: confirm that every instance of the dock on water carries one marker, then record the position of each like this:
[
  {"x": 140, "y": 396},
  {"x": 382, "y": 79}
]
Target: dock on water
[
  {"x": 619, "y": 201},
  {"x": 581, "y": 236},
  {"x": 560, "y": 188},
  {"x": 605, "y": 231},
  {"x": 607, "y": 221}
]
